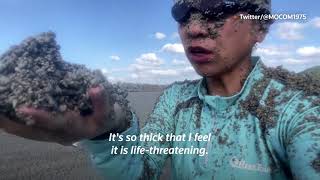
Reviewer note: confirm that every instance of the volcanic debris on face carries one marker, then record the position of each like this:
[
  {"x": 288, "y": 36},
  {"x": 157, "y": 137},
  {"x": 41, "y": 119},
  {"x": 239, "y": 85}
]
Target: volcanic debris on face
[
  {"x": 34, "y": 74},
  {"x": 212, "y": 27}
]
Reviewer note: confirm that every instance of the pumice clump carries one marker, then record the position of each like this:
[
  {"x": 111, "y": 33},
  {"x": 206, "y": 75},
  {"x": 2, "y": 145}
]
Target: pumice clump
[{"x": 34, "y": 74}]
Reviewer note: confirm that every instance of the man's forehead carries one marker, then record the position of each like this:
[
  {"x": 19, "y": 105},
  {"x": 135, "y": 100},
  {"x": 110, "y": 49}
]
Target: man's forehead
[
  {"x": 263, "y": 4},
  {"x": 226, "y": 1}
]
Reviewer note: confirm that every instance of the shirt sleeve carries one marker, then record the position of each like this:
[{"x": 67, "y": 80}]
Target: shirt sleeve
[
  {"x": 303, "y": 145},
  {"x": 135, "y": 166}
]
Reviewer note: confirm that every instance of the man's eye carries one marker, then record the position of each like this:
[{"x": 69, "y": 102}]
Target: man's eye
[
  {"x": 184, "y": 20},
  {"x": 182, "y": 24}
]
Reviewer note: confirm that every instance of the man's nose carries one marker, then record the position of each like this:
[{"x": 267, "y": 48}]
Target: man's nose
[{"x": 197, "y": 28}]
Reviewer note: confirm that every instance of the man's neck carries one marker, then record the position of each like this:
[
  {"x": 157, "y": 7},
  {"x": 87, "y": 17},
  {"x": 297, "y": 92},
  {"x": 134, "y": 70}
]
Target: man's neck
[{"x": 231, "y": 82}]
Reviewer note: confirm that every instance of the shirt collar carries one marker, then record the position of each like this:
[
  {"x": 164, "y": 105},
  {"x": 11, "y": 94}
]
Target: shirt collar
[{"x": 221, "y": 103}]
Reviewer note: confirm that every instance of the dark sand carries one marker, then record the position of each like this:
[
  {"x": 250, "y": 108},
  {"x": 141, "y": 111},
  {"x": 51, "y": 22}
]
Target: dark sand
[{"x": 22, "y": 159}]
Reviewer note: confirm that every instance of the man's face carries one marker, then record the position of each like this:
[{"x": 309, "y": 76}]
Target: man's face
[{"x": 216, "y": 47}]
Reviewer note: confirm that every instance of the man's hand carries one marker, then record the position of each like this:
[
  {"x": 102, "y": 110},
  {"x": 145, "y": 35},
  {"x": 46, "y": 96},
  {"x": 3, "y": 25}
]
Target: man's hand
[{"x": 63, "y": 128}]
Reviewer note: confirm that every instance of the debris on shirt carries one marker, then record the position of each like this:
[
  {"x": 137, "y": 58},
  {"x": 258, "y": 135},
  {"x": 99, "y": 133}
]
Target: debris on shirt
[
  {"x": 291, "y": 81},
  {"x": 316, "y": 163}
]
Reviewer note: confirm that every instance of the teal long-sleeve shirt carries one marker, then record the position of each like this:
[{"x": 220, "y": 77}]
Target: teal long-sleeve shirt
[{"x": 269, "y": 130}]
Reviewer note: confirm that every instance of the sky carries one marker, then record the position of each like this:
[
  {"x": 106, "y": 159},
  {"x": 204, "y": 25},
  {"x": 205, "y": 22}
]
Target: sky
[{"x": 137, "y": 40}]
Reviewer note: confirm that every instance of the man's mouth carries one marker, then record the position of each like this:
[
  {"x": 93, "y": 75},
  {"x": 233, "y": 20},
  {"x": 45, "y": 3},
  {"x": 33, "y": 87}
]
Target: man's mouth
[{"x": 199, "y": 54}]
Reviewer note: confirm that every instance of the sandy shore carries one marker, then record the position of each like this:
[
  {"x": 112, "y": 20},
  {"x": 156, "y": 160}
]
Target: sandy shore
[
  {"x": 22, "y": 159},
  {"x": 25, "y": 159}
]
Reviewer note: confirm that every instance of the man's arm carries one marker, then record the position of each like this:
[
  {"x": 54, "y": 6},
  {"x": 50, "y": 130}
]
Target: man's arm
[
  {"x": 303, "y": 144},
  {"x": 129, "y": 166}
]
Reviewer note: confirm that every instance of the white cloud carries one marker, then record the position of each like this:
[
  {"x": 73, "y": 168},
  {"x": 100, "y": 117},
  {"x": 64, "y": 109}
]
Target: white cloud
[
  {"x": 274, "y": 51},
  {"x": 315, "y": 22},
  {"x": 136, "y": 67},
  {"x": 269, "y": 51},
  {"x": 144, "y": 64},
  {"x": 134, "y": 76},
  {"x": 159, "y": 35},
  {"x": 293, "y": 30},
  {"x": 104, "y": 71},
  {"x": 309, "y": 51},
  {"x": 173, "y": 48},
  {"x": 157, "y": 75},
  {"x": 175, "y": 35},
  {"x": 188, "y": 69},
  {"x": 115, "y": 58},
  {"x": 141, "y": 72},
  {"x": 149, "y": 68},
  {"x": 179, "y": 62},
  {"x": 290, "y": 30},
  {"x": 296, "y": 64},
  {"x": 149, "y": 58},
  {"x": 289, "y": 56},
  {"x": 293, "y": 61},
  {"x": 165, "y": 72},
  {"x": 115, "y": 79}
]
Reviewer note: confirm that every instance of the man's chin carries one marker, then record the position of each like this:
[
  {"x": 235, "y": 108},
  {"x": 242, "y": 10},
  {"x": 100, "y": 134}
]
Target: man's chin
[{"x": 209, "y": 72}]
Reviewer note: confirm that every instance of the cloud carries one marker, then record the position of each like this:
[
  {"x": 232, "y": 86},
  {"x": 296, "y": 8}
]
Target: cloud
[
  {"x": 145, "y": 62},
  {"x": 104, "y": 71},
  {"x": 139, "y": 73},
  {"x": 163, "y": 75},
  {"x": 315, "y": 22},
  {"x": 293, "y": 61},
  {"x": 149, "y": 59},
  {"x": 293, "y": 30},
  {"x": 270, "y": 51},
  {"x": 289, "y": 56},
  {"x": 175, "y": 35},
  {"x": 173, "y": 48},
  {"x": 164, "y": 72},
  {"x": 149, "y": 68},
  {"x": 290, "y": 30},
  {"x": 309, "y": 51},
  {"x": 274, "y": 51},
  {"x": 116, "y": 79},
  {"x": 179, "y": 62},
  {"x": 134, "y": 76},
  {"x": 159, "y": 35},
  {"x": 115, "y": 58},
  {"x": 188, "y": 69}
]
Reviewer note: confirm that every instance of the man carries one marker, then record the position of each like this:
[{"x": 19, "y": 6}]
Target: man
[{"x": 264, "y": 123}]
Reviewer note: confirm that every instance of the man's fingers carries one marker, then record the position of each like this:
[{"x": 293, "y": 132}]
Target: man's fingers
[
  {"x": 67, "y": 124},
  {"x": 99, "y": 102},
  {"x": 7, "y": 125},
  {"x": 21, "y": 130},
  {"x": 43, "y": 119}
]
